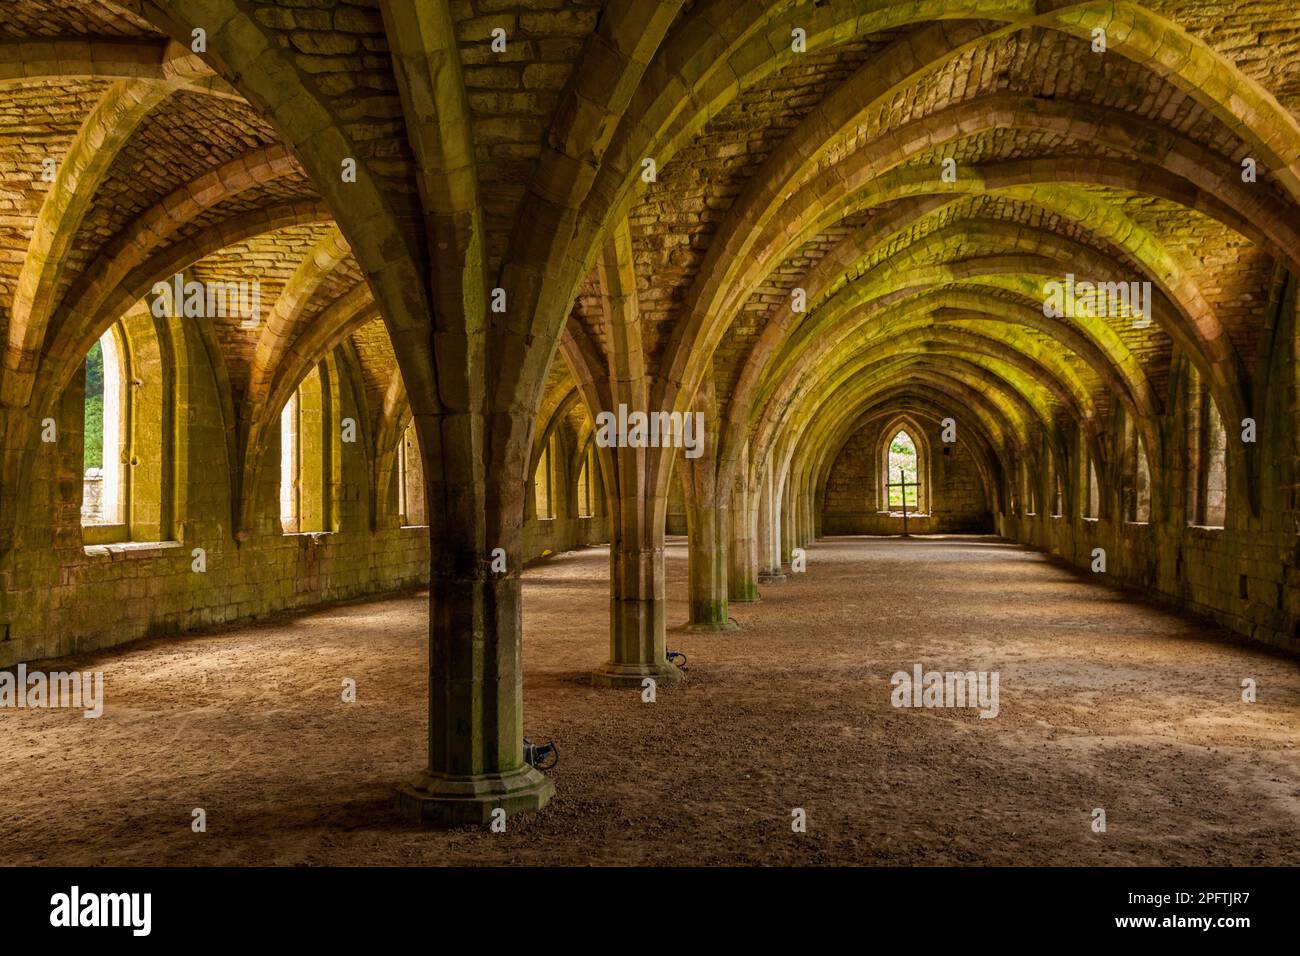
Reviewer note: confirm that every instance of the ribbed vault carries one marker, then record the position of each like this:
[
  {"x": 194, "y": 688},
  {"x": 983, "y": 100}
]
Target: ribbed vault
[{"x": 798, "y": 219}]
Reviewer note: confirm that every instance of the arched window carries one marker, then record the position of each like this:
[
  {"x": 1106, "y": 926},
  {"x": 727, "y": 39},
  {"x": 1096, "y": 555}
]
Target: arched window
[
  {"x": 1136, "y": 487},
  {"x": 1207, "y": 465},
  {"x": 1135, "y": 480},
  {"x": 410, "y": 474},
  {"x": 1142, "y": 511},
  {"x": 1093, "y": 502},
  {"x": 1215, "y": 466},
  {"x": 129, "y": 434},
  {"x": 587, "y": 477},
  {"x": 104, "y": 492},
  {"x": 305, "y": 450},
  {"x": 1028, "y": 490},
  {"x": 903, "y": 474},
  {"x": 289, "y": 464},
  {"x": 1054, "y": 491},
  {"x": 1140, "y": 507},
  {"x": 544, "y": 482}
]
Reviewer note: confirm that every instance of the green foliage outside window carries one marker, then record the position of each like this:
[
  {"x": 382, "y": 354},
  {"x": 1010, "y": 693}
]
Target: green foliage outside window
[
  {"x": 902, "y": 460},
  {"x": 94, "y": 434}
]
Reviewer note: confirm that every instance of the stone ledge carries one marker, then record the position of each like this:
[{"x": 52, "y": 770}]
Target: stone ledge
[
  {"x": 130, "y": 549},
  {"x": 310, "y": 537}
]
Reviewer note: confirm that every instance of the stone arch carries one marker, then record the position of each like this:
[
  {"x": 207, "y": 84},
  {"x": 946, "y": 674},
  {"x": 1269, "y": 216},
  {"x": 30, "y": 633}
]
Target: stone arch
[{"x": 110, "y": 124}]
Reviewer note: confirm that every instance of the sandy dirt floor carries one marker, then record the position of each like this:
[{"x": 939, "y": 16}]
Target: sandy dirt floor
[{"x": 1104, "y": 703}]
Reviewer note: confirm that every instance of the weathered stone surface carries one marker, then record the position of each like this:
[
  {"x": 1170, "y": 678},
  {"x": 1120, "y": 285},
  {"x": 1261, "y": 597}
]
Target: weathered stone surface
[{"x": 656, "y": 205}]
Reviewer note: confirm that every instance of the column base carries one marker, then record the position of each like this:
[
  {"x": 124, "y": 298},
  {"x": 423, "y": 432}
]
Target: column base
[
  {"x": 461, "y": 801},
  {"x": 770, "y": 577},
  {"x": 709, "y": 627},
  {"x": 631, "y": 675},
  {"x": 746, "y": 593}
]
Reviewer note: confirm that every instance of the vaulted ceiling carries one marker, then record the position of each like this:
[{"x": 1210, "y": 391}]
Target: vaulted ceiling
[{"x": 780, "y": 172}]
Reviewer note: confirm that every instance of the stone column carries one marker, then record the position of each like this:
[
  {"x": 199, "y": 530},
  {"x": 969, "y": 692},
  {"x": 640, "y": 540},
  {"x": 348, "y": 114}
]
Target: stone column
[
  {"x": 769, "y": 530},
  {"x": 742, "y": 573},
  {"x": 797, "y": 507},
  {"x": 637, "y": 647},
  {"x": 788, "y": 523},
  {"x": 476, "y": 763},
  {"x": 806, "y": 510},
  {"x": 636, "y": 491},
  {"x": 708, "y": 526}
]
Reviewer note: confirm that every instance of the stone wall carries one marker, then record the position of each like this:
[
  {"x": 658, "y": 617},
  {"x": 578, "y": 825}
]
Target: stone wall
[
  {"x": 1245, "y": 575},
  {"x": 1245, "y": 581},
  {"x": 62, "y": 595},
  {"x": 955, "y": 493}
]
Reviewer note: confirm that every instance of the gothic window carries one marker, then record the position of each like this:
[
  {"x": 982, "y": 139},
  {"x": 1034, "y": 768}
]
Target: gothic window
[
  {"x": 544, "y": 482},
  {"x": 304, "y": 451},
  {"x": 904, "y": 476}
]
